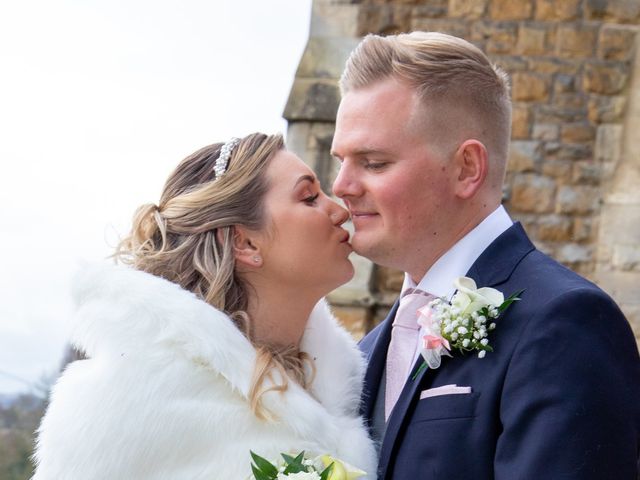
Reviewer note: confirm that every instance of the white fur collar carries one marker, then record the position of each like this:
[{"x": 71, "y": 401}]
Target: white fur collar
[{"x": 125, "y": 311}]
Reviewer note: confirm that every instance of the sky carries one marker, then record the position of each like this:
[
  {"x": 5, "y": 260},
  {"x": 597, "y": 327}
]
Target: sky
[{"x": 99, "y": 101}]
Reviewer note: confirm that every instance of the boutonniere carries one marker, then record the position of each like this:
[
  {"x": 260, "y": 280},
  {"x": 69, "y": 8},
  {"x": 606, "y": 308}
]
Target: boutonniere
[{"x": 462, "y": 324}]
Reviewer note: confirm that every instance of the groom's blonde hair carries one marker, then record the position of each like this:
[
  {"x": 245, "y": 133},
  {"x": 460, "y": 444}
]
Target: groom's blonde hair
[{"x": 448, "y": 73}]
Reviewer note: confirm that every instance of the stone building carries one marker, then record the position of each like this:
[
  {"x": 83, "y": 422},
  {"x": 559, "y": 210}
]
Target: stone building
[{"x": 574, "y": 170}]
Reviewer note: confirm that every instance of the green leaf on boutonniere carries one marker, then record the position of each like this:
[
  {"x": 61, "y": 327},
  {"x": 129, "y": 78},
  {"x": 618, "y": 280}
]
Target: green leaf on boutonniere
[
  {"x": 419, "y": 371},
  {"x": 512, "y": 298}
]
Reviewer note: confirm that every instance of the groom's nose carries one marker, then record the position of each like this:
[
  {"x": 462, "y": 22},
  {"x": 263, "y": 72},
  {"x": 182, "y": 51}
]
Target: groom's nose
[{"x": 346, "y": 183}]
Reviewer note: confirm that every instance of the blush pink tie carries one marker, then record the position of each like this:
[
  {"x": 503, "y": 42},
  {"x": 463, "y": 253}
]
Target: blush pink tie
[{"x": 403, "y": 345}]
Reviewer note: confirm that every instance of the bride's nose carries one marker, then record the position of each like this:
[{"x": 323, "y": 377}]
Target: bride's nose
[{"x": 338, "y": 214}]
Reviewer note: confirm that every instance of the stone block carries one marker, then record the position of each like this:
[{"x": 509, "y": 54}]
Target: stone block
[
  {"x": 626, "y": 257},
  {"x": 583, "y": 229},
  {"x": 548, "y": 132},
  {"x": 606, "y": 109},
  {"x": 587, "y": 172},
  {"x": 497, "y": 38},
  {"x": 605, "y": 78},
  {"x": 313, "y": 100},
  {"x": 388, "y": 279},
  {"x": 331, "y": 20},
  {"x": 574, "y": 253},
  {"x": 554, "y": 10},
  {"x": 356, "y": 292},
  {"x": 553, "y": 66},
  {"x": 604, "y": 254},
  {"x": 554, "y": 228},
  {"x": 511, "y": 64},
  {"x": 577, "y": 199},
  {"x": 571, "y": 101},
  {"x": 615, "y": 11},
  {"x": 532, "y": 40},
  {"x": 414, "y": 2},
  {"x": 533, "y": 193},
  {"x": 530, "y": 87},
  {"x": 621, "y": 285},
  {"x": 563, "y": 83},
  {"x": 552, "y": 113},
  {"x": 574, "y": 151},
  {"x": 616, "y": 42},
  {"x": 444, "y": 25},
  {"x": 546, "y": 248},
  {"x": 379, "y": 314},
  {"x": 324, "y": 57},
  {"x": 524, "y": 156},
  {"x": 436, "y": 9},
  {"x": 558, "y": 169},
  {"x": 632, "y": 314},
  {"x": 510, "y": 9},
  {"x": 297, "y": 139},
  {"x": 624, "y": 220},
  {"x": 311, "y": 141},
  {"x": 577, "y": 132},
  {"x": 529, "y": 222},
  {"x": 355, "y": 319},
  {"x": 608, "y": 144},
  {"x": 584, "y": 269},
  {"x": 521, "y": 121},
  {"x": 319, "y": 152},
  {"x": 470, "y": 9},
  {"x": 576, "y": 40},
  {"x": 384, "y": 19}
]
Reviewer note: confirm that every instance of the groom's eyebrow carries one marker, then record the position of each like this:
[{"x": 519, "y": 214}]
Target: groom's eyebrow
[{"x": 361, "y": 152}]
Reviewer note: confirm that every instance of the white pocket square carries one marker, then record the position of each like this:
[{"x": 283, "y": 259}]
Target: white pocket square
[{"x": 444, "y": 390}]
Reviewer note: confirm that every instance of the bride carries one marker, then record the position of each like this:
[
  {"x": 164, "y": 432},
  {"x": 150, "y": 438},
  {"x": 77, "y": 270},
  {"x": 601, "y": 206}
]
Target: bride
[{"x": 212, "y": 339}]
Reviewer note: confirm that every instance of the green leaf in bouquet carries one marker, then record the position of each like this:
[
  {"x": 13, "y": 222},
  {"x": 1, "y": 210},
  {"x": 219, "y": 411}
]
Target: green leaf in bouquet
[
  {"x": 326, "y": 472},
  {"x": 294, "y": 465},
  {"x": 260, "y": 475},
  {"x": 287, "y": 458},
  {"x": 264, "y": 467}
]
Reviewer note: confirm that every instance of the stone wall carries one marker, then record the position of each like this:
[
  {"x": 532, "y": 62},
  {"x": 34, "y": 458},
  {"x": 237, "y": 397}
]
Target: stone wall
[{"x": 575, "y": 158}]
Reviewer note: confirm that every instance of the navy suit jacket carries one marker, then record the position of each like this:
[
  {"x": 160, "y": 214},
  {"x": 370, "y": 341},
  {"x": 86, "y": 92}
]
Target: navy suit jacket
[{"x": 558, "y": 398}]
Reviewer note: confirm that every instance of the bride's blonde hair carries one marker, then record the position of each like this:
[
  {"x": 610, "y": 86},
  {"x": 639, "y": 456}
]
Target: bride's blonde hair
[{"x": 188, "y": 239}]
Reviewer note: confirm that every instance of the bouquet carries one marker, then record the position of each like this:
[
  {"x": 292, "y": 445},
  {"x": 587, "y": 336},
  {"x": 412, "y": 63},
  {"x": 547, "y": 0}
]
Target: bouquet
[{"x": 300, "y": 467}]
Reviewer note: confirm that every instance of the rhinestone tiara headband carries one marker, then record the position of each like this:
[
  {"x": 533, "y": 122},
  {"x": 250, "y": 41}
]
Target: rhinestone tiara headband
[{"x": 223, "y": 160}]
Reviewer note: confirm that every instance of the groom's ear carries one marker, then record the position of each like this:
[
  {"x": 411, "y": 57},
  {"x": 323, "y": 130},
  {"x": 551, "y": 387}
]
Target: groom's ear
[{"x": 471, "y": 163}]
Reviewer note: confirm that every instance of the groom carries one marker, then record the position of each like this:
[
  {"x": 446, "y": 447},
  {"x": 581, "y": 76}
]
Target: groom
[{"x": 422, "y": 137}]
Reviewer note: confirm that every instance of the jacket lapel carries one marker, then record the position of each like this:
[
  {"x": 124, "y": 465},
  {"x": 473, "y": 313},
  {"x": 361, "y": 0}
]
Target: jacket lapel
[
  {"x": 494, "y": 266},
  {"x": 398, "y": 415},
  {"x": 499, "y": 260},
  {"x": 376, "y": 361}
]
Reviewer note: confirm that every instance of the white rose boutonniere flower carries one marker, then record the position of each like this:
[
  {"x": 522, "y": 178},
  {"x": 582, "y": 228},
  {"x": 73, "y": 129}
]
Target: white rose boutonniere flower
[{"x": 463, "y": 324}]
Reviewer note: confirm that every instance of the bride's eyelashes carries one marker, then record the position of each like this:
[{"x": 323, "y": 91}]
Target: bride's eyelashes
[{"x": 311, "y": 199}]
